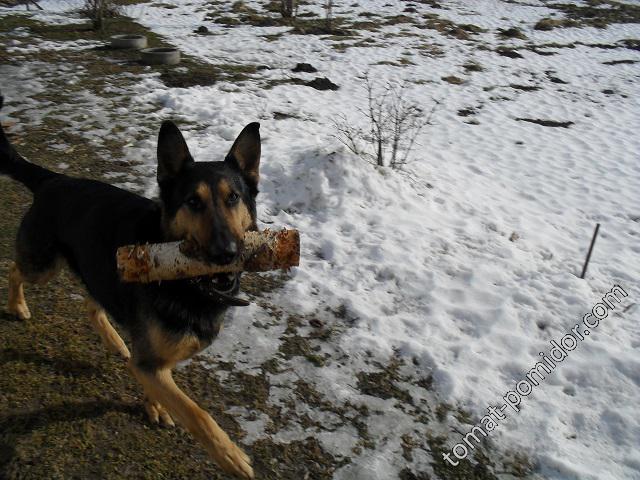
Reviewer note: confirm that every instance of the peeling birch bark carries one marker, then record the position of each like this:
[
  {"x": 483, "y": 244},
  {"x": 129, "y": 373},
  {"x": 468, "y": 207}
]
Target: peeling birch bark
[{"x": 263, "y": 251}]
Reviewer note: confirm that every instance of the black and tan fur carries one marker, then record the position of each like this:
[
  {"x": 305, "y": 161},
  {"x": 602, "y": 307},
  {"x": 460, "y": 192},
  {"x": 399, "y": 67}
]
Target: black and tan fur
[{"x": 82, "y": 222}]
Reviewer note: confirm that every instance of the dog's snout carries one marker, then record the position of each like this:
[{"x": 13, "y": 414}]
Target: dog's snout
[{"x": 224, "y": 255}]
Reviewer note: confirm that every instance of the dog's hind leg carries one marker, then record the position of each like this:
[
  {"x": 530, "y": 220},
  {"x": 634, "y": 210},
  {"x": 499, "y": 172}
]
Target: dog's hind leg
[
  {"x": 37, "y": 262},
  {"x": 18, "y": 276},
  {"x": 17, "y": 305},
  {"x": 109, "y": 335},
  {"x": 159, "y": 384}
]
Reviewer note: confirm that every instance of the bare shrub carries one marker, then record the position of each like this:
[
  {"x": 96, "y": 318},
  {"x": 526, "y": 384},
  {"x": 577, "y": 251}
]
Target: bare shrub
[
  {"x": 15, "y": 3},
  {"x": 99, "y": 10},
  {"x": 328, "y": 9},
  {"x": 288, "y": 8},
  {"x": 394, "y": 123}
]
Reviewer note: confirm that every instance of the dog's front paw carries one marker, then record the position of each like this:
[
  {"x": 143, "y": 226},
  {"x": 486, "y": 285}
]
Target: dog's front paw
[
  {"x": 19, "y": 310},
  {"x": 157, "y": 413},
  {"x": 234, "y": 461}
]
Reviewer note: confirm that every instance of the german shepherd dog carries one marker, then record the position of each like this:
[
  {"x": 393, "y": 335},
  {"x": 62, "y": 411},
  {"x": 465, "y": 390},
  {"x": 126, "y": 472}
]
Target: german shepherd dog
[{"x": 83, "y": 222}]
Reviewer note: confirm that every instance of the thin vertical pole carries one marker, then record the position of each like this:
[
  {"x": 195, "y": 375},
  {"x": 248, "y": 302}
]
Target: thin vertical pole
[{"x": 593, "y": 242}]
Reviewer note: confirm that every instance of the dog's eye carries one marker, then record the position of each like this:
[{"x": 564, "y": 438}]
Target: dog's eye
[
  {"x": 233, "y": 198},
  {"x": 195, "y": 204}
]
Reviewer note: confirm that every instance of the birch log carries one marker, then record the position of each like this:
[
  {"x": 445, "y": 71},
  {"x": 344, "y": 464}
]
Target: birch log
[{"x": 263, "y": 251}]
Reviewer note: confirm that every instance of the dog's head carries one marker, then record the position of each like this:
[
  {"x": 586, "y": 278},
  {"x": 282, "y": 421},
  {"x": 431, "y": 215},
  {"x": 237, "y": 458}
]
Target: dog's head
[{"x": 211, "y": 204}]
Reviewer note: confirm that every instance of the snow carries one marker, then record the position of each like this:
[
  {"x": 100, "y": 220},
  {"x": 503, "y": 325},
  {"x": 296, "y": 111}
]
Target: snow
[{"x": 422, "y": 265}]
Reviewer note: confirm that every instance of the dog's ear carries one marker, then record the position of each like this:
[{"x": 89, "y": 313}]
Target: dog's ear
[
  {"x": 173, "y": 153},
  {"x": 245, "y": 153}
]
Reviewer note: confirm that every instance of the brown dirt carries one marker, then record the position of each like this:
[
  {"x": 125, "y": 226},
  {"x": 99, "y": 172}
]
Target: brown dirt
[{"x": 69, "y": 409}]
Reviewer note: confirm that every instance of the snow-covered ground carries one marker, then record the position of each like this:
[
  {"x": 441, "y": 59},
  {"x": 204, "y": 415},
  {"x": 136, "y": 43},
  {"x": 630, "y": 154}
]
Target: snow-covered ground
[{"x": 423, "y": 268}]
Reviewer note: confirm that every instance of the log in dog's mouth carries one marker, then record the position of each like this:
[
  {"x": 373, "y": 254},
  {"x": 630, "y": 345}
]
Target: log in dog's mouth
[{"x": 220, "y": 287}]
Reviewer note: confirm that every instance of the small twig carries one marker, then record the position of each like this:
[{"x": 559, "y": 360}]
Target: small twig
[{"x": 418, "y": 128}]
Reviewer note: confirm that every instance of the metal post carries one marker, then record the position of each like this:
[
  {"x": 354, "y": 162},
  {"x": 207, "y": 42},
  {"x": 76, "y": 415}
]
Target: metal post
[{"x": 593, "y": 241}]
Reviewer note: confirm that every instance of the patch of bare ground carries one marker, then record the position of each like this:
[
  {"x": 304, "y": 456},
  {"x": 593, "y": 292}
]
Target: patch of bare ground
[
  {"x": 524, "y": 88},
  {"x": 546, "y": 123},
  {"x": 620, "y": 62},
  {"x": 512, "y": 32},
  {"x": 591, "y": 13},
  {"x": 508, "y": 52},
  {"x": 305, "y": 23},
  {"x": 452, "y": 79},
  {"x": 473, "y": 67},
  {"x": 461, "y": 31}
]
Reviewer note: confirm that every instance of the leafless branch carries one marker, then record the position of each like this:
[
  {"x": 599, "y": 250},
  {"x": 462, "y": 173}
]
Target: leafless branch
[
  {"x": 394, "y": 124},
  {"x": 347, "y": 134}
]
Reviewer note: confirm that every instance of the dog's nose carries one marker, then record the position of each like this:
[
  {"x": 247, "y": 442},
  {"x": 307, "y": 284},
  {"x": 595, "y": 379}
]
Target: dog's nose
[{"x": 225, "y": 255}]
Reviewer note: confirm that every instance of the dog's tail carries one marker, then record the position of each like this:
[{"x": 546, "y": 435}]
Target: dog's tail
[{"x": 14, "y": 165}]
